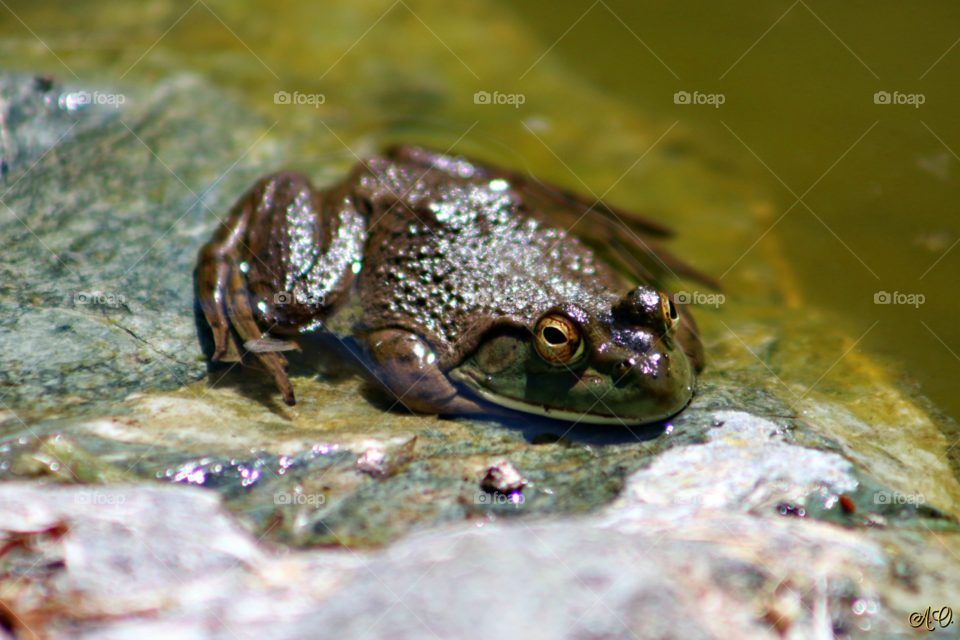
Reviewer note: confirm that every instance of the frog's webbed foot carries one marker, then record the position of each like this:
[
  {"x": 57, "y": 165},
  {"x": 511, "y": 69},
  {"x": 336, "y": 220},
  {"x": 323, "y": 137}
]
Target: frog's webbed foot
[
  {"x": 260, "y": 271},
  {"x": 407, "y": 366}
]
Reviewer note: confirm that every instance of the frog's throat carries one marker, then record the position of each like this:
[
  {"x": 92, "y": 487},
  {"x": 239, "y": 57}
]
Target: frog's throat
[{"x": 541, "y": 410}]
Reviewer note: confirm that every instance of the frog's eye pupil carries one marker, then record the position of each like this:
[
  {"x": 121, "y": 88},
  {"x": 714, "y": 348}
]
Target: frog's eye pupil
[
  {"x": 673, "y": 311},
  {"x": 558, "y": 339},
  {"x": 554, "y": 336}
]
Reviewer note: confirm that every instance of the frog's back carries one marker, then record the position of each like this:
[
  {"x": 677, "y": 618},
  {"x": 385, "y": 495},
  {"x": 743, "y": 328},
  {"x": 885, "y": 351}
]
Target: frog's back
[{"x": 451, "y": 249}]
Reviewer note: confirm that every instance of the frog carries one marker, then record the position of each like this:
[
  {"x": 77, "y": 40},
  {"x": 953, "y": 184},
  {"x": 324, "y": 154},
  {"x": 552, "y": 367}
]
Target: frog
[{"x": 457, "y": 290}]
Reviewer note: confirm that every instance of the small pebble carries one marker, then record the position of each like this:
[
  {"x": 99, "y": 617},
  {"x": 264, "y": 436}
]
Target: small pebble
[
  {"x": 848, "y": 505},
  {"x": 372, "y": 461},
  {"x": 503, "y": 477}
]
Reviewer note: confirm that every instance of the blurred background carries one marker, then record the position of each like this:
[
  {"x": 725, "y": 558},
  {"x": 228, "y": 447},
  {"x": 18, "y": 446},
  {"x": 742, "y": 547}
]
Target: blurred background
[{"x": 878, "y": 181}]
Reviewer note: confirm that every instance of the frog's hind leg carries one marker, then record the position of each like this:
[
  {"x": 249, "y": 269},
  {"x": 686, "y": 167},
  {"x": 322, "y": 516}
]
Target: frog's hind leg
[
  {"x": 212, "y": 277},
  {"x": 624, "y": 236},
  {"x": 248, "y": 259}
]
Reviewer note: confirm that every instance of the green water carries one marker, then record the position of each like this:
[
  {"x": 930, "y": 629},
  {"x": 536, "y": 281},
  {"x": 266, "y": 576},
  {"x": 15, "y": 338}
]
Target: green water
[
  {"x": 879, "y": 188},
  {"x": 883, "y": 212}
]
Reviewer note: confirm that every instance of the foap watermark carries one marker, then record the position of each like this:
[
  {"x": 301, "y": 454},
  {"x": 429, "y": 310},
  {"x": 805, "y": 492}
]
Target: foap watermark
[
  {"x": 882, "y": 97},
  {"x": 882, "y": 297},
  {"x": 99, "y": 498},
  {"x": 282, "y": 97},
  {"x": 99, "y": 297},
  {"x": 78, "y": 99},
  {"x": 885, "y": 497},
  {"x": 716, "y": 99},
  {"x": 683, "y": 297},
  {"x": 482, "y": 97},
  {"x": 483, "y": 497},
  {"x": 310, "y": 499},
  {"x": 288, "y": 297}
]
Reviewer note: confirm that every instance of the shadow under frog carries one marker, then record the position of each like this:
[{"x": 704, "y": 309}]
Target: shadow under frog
[{"x": 450, "y": 282}]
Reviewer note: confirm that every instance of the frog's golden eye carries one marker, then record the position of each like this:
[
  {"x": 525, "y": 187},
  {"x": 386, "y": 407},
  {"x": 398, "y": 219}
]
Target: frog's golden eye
[
  {"x": 670, "y": 314},
  {"x": 558, "y": 340}
]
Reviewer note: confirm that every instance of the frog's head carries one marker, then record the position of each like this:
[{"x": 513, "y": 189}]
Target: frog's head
[{"x": 624, "y": 367}]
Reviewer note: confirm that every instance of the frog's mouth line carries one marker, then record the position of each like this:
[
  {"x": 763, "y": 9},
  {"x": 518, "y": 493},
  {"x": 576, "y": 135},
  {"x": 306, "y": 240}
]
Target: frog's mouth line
[{"x": 541, "y": 410}]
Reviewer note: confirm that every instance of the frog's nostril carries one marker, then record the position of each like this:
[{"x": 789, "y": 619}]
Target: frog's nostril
[{"x": 623, "y": 367}]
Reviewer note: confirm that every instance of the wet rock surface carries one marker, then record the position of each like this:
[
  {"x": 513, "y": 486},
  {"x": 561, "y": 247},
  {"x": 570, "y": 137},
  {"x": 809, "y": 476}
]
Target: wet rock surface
[
  {"x": 100, "y": 237},
  {"x": 123, "y": 561}
]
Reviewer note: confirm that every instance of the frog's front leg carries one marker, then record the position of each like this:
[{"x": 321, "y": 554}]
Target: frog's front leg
[
  {"x": 284, "y": 258},
  {"x": 408, "y": 367}
]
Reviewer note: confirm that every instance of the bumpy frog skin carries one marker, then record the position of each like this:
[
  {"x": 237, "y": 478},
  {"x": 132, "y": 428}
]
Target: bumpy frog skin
[{"x": 462, "y": 294}]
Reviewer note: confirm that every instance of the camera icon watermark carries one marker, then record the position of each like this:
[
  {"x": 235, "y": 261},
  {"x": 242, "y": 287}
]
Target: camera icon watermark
[
  {"x": 883, "y": 297},
  {"x": 683, "y": 97},
  {"x": 885, "y": 497},
  {"x": 883, "y": 97},
  {"x": 684, "y": 297},
  {"x": 316, "y": 99},
  {"x": 483, "y": 97},
  {"x": 98, "y": 297},
  {"x": 309, "y": 499},
  {"x": 491, "y": 498}
]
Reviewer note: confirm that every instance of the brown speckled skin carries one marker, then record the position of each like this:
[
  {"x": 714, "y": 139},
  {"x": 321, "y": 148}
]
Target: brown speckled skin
[
  {"x": 420, "y": 253},
  {"x": 450, "y": 277}
]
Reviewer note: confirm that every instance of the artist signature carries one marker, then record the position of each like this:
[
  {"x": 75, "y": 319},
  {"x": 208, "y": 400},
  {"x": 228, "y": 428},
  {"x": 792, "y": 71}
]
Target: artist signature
[{"x": 925, "y": 619}]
